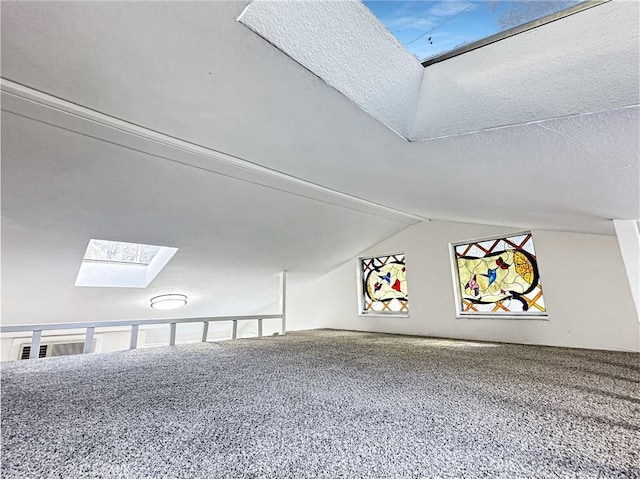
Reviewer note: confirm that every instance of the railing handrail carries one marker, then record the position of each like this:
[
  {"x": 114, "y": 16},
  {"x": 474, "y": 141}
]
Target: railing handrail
[{"x": 18, "y": 328}]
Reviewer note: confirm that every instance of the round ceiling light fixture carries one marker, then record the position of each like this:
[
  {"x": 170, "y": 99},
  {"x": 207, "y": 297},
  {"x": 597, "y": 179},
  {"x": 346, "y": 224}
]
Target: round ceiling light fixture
[{"x": 168, "y": 301}]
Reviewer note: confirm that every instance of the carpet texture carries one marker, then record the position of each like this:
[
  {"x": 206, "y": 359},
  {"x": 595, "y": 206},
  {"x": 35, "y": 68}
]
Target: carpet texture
[{"x": 328, "y": 404}]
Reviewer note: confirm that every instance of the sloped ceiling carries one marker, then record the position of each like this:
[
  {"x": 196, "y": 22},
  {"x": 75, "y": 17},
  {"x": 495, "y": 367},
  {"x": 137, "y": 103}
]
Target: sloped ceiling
[
  {"x": 61, "y": 188},
  {"x": 343, "y": 181}
]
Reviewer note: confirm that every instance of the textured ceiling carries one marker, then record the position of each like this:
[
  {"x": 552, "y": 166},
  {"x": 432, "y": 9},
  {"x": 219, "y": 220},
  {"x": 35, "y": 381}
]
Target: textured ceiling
[
  {"x": 583, "y": 63},
  {"x": 345, "y": 45},
  {"x": 192, "y": 72},
  {"x": 561, "y": 68}
]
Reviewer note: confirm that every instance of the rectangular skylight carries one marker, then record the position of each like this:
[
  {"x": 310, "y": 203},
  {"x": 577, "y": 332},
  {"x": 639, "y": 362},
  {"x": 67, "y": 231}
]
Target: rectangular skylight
[
  {"x": 435, "y": 30},
  {"x": 119, "y": 252},
  {"x": 114, "y": 264}
]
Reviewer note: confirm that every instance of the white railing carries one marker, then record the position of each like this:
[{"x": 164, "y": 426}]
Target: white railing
[{"x": 37, "y": 329}]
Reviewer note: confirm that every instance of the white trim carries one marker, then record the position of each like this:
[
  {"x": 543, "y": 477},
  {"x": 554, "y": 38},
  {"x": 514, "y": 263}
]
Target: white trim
[
  {"x": 25, "y": 101},
  {"x": 127, "y": 322},
  {"x": 282, "y": 300},
  {"x": 360, "y": 289},
  {"x": 519, "y": 316},
  {"x": 628, "y": 235}
]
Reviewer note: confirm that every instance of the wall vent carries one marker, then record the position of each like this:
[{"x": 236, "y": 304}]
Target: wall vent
[
  {"x": 53, "y": 349},
  {"x": 26, "y": 351}
]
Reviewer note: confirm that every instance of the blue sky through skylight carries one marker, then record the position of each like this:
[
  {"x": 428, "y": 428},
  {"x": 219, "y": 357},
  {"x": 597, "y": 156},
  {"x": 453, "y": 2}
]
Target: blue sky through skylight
[{"x": 431, "y": 28}]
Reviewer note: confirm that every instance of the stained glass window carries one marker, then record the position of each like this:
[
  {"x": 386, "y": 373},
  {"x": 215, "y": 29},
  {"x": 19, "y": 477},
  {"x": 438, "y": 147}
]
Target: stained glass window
[
  {"x": 384, "y": 285},
  {"x": 499, "y": 276}
]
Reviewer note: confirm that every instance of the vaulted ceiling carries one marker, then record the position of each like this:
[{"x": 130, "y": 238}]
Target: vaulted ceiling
[{"x": 172, "y": 123}]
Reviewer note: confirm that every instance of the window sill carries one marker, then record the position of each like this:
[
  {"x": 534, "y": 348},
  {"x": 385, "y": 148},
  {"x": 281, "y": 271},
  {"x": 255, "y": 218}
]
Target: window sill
[{"x": 519, "y": 317}]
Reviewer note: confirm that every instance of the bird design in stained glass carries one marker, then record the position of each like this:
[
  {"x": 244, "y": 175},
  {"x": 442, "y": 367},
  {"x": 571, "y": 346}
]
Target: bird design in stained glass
[
  {"x": 492, "y": 275},
  {"x": 501, "y": 275},
  {"x": 387, "y": 282}
]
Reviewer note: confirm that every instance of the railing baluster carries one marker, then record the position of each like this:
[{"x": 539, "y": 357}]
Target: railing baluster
[
  {"x": 34, "y": 353},
  {"x": 133, "y": 343},
  {"x": 88, "y": 341},
  {"x": 205, "y": 331},
  {"x": 172, "y": 334},
  {"x": 89, "y": 336},
  {"x": 283, "y": 302}
]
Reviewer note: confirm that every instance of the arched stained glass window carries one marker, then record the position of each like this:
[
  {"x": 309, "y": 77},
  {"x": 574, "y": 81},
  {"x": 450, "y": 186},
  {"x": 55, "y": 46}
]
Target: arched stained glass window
[
  {"x": 498, "y": 276},
  {"x": 384, "y": 285}
]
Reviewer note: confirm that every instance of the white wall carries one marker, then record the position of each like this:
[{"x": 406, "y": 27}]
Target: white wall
[{"x": 585, "y": 290}]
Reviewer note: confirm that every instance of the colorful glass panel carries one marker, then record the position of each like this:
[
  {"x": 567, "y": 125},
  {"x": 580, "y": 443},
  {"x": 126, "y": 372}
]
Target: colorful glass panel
[
  {"x": 499, "y": 276},
  {"x": 384, "y": 284}
]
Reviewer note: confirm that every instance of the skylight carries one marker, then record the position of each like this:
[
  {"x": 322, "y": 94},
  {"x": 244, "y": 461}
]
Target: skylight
[
  {"x": 118, "y": 252},
  {"x": 435, "y": 30},
  {"x": 114, "y": 264}
]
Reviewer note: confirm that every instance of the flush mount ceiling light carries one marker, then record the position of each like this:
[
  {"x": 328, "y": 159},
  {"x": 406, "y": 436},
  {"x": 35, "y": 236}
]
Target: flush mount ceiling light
[{"x": 168, "y": 301}]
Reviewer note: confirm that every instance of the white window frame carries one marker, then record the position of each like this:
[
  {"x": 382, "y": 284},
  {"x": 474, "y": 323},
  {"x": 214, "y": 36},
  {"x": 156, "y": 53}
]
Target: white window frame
[{"x": 361, "y": 293}]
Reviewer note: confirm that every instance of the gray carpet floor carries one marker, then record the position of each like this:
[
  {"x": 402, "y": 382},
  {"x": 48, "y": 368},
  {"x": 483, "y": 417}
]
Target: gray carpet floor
[{"x": 328, "y": 404}]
